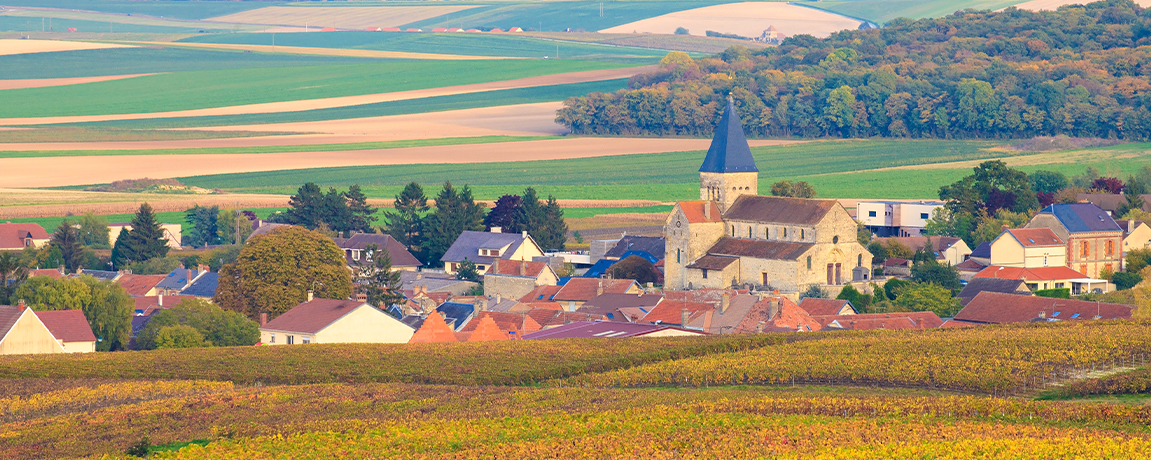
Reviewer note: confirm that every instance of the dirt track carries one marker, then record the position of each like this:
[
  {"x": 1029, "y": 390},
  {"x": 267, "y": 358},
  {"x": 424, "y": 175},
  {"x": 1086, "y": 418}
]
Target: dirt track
[
  {"x": 325, "y": 103},
  {"x": 45, "y": 82},
  {"x": 9, "y": 46},
  {"x": 748, "y": 19},
  {"x": 49, "y": 171}
]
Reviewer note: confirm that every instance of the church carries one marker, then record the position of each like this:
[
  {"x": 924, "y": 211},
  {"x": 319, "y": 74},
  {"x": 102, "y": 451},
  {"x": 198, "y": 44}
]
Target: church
[{"x": 733, "y": 236}]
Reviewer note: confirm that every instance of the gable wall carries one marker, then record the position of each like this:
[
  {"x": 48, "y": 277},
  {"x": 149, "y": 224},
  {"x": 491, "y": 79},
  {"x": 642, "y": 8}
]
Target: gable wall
[
  {"x": 29, "y": 336},
  {"x": 366, "y": 324},
  {"x": 685, "y": 242}
]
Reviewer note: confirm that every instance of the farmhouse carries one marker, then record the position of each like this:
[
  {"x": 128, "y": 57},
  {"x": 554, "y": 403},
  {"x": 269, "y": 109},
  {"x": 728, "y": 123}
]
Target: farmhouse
[
  {"x": 334, "y": 321},
  {"x": 1093, "y": 239},
  {"x": 1028, "y": 248},
  {"x": 23, "y": 333},
  {"x": 733, "y": 236},
  {"x": 16, "y": 237}
]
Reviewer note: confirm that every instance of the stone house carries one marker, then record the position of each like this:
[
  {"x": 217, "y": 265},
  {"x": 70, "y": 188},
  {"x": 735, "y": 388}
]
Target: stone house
[
  {"x": 516, "y": 278},
  {"x": 733, "y": 236},
  {"x": 1094, "y": 240}
]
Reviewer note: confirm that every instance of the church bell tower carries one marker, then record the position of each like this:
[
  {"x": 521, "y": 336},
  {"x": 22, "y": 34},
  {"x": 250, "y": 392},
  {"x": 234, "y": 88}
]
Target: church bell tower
[{"x": 728, "y": 170}]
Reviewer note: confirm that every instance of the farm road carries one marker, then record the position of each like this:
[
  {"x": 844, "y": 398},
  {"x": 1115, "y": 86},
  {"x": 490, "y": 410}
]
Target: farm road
[
  {"x": 50, "y": 171},
  {"x": 344, "y": 101}
]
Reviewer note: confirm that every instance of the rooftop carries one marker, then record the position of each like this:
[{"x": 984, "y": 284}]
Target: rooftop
[
  {"x": 729, "y": 152},
  {"x": 996, "y": 308},
  {"x": 312, "y": 317},
  {"x": 1034, "y": 237},
  {"x": 1082, "y": 218},
  {"x": 780, "y": 210},
  {"x": 758, "y": 249},
  {"x": 67, "y": 325}
]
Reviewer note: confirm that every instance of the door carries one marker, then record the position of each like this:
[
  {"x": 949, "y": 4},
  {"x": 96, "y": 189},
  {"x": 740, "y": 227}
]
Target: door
[
  {"x": 838, "y": 274},
  {"x": 830, "y": 273}
]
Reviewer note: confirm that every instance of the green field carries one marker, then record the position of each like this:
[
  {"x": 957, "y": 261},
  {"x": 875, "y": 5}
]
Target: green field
[
  {"x": 34, "y": 24},
  {"x": 881, "y": 11},
  {"x": 441, "y": 43},
  {"x": 170, "y": 9},
  {"x": 175, "y": 217},
  {"x": 219, "y": 88},
  {"x": 558, "y": 16},
  {"x": 420, "y": 105}
]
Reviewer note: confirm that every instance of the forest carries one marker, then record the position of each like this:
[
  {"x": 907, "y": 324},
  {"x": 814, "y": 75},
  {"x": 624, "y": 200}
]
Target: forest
[{"x": 1079, "y": 71}]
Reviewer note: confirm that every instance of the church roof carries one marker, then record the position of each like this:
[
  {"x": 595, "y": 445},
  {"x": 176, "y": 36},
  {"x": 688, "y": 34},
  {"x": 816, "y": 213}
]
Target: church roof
[
  {"x": 729, "y": 152},
  {"x": 758, "y": 249},
  {"x": 777, "y": 209}
]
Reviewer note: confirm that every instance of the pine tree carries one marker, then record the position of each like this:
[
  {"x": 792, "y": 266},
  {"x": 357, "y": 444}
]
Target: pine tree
[
  {"x": 67, "y": 240},
  {"x": 530, "y": 215},
  {"x": 145, "y": 241},
  {"x": 404, "y": 223},
  {"x": 376, "y": 278},
  {"x": 94, "y": 231},
  {"x": 362, "y": 215},
  {"x": 553, "y": 234},
  {"x": 455, "y": 213},
  {"x": 203, "y": 226}
]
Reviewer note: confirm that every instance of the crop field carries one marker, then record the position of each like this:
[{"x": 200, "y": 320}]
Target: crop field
[
  {"x": 748, "y": 19},
  {"x": 562, "y": 398},
  {"x": 157, "y": 8},
  {"x": 33, "y": 23},
  {"x": 220, "y": 88},
  {"x": 346, "y": 17},
  {"x": 495, "y": 98},
  {"x": 558, "y": 16},
  {"x": 882, "y": 11},
  {"x": 85, "y": 134},
  {"x": 129, "y": 61},
  {"x": 444, "y": 43}
]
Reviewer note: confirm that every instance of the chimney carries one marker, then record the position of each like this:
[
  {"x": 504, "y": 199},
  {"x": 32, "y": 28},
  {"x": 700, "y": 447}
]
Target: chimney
[
  {"x": 1043, "y": 314},
  {"x": 419, "y": 275},
  {"x": 263, "y": 319},
  {"x": 160, "y": 299},
  {"x": 759, "y": 327},
  {"x": 1130, "y": 225},
  {"x": 1005, "y": 227},
  {"x": 772, "y": 309},
  {"x": 499, "y": 299},
  {"x": 20, "y": 305},
  {"x": 523, "y": 268},
  {"x": 724, "y": 300},
  {"x": 189, "y": 278},
  {"x": 362, "y": 298},
  {"x": 311, "y": 295},
  {"x": 683, "y": 317},
  {"x": 497, "y": 230},
  {"x": 707, "y": 210},
  {"x": 525, "y": 234},
  {"x": 599, "y": 289},
  {"x": 481, "y": 304}
]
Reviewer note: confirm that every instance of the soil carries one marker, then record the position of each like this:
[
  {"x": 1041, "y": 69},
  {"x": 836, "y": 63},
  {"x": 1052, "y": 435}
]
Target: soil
[
  {"x": 748, "y": 19},
  {"x": 357, "y": 18},
  {"x": 44, "y": 82},
  {"x": 10, "y": 46}
]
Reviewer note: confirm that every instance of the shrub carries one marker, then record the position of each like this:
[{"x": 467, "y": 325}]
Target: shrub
[{"x": 1060, "y": 293}]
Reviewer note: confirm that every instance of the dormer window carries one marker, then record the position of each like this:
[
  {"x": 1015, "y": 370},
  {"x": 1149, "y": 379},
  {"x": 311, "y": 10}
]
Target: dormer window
[
  {"x": 490, "y": 252},
  {"x": 355, "y": 254}
]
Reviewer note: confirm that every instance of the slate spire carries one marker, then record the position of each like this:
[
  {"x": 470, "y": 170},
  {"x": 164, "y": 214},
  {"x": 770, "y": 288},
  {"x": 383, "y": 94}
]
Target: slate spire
[{"x": 729, "y": 152}]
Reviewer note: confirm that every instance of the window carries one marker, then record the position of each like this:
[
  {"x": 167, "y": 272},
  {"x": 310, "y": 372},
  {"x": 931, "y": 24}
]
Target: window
[
  {"x": 749, "y": 231},
  {"x": 705, "y": 273},
  {"x": 1059, "y": 285},
  {"x": 809, "y": 262},
  {"x": 1083, "y": 268},
  {"x": 924, "y": 216},
  {"x": 785, "y": 232},
  {"x": 481, "y": 267},
  {"x": 355, "y": 255},
  {"x": 677, "y": 256},
  {"x": 271, "y": 338},
  {"x": 870, "y": 213},
  {"x": 802, "y": 234},
  {"x": 494, "y": 253},
  {"x": 1109, "y": 248},
  {"x": 767, "y": 233},
  {"x": 733, "y": 231},
  {"x": 307, "y": 340},
  {"x": 1085, "y": 249},
  {"x": 859, "y": 261},
  {"x": 291, "y": 339},
  {"x": 1044, "y": 260},
  {"x": 835, "y": 239}
]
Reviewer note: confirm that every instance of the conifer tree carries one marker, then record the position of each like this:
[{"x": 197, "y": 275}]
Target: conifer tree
[
  {"x": 404, "y": 223},
  {"x": 67, "y": 240},
  {"x": 144, "y": 241}
]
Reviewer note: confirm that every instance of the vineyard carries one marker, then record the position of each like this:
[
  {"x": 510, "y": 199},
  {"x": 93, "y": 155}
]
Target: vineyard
[{"x": 863, "y": 394}]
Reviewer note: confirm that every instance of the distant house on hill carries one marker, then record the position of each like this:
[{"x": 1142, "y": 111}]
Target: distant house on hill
[
  {"x": 356, "y": 251},
  {"x": 334, "y": 321}
]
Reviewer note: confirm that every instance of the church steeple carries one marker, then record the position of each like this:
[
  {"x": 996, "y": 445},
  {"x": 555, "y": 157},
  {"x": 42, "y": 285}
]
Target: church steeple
[
  {"x": 729, "y": 151},
  {"x": 728, "y": 170}
]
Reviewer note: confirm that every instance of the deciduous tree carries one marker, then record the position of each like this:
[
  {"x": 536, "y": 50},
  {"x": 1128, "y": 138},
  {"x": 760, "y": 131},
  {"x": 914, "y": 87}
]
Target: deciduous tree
[
  {"x": 214, "y": 325},
  {"x": 376, "y": 279},
  {"x": 104, "y": 303}
]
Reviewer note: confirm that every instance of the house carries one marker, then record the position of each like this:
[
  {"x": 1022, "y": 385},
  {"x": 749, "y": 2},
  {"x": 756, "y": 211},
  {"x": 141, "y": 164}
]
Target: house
[
  {"x": 612, "y": 306},
  {"x": 140, "y": 285},
  {"x": 1094, "y": 240},
  {"x": 71, "y": 329},
  {"x": 895, "y": 266},
  {"x": 1136, "y": 234},
  {"x": 435, "y": 283},
  {"x": 1111, "y": 202},
  {"x": 356, "y": 251},
  {"x": 23, "y": 333},
  {"x": 827, "y": 307},
  {"x": 968, "y": 269},
  {"x": 16, "y": 237},
  {"x": 776, "y": 314},
  {"x": 515, "y": 278},
  {"x": 485, "y": 330},
  {"x": 981, "y": 254},
  {"x": 896, "y": 218},
  {"x": 148, "y": 305},
  {"x": 869, "y": 321},
  {"x": 946, "y": 249},
  {"x": 456, "y": 314},
  {"x": 171, "y": 233},
  {"x": 439, "y": 29},
  {"x": 999, "y": 308},
  {"x": 1048, "y": 278},
  {"x": 433, "y": 329},
  {"x": 1000, "y": 285},
  {"x": 512, "y": 325},
  {"x": 179, "y": 279},
  {"x": 515, "y": 29},
  {"x": 334, "y": 321},
  {"x": 781, "y": 242},
  {"x": 650, "y": 247},
  {"x": 204, "y": 286},
  {"x": 576, "y": 291},
  {"x": 102, "y": 275},
  {"x": 609, "y": 330},
  {"x": 548, "y": 318},
  {"x": 483, "y": 248},
  {"x": 1028, "y": 248},
  {"x": 56, "y": 273},
  {"x": 540, "y": 294}
]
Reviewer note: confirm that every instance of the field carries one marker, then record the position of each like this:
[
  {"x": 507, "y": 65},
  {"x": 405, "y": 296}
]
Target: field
[
  {"x": 516, "y": 399},
  {"x": 171, "y": 9},
  {"x": 356, "y": 18},
  {"x": 1055, "y": 4},
  {"x": 126, "y": 61},
  {"x": 745, "y": 19},
  {"x": 47, "y": 46},
  {"x": 222, "y": 88},
  {"x": 558, "y": 16}
]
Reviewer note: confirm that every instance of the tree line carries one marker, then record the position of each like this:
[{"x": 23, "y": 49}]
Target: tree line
[{"x": 1080, "y": 71}]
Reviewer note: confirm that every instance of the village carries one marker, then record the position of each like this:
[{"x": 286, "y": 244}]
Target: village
[{"x": 732, "y": 262}]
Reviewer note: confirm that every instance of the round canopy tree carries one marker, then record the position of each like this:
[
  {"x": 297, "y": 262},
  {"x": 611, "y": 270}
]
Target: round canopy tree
[{"x": 275, "y": 271}]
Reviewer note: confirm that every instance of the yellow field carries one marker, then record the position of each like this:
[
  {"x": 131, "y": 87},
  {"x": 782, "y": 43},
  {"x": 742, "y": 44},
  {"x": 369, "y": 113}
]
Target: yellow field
[
  {"x": 342, "y": 18},
  {"x": 746, "y": 19},
  {"x": 8, "y": 46}
]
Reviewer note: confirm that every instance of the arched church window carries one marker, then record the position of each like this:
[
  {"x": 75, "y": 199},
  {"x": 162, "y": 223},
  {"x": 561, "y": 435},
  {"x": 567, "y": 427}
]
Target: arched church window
[
  {"x": 859, "y": 262},
  {"x": 809, "y": 262}
]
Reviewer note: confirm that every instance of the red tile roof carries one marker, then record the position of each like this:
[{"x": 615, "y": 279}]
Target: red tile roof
[
  {"x": 540, "y": 294},
  {"x": 550, "y": 318},
  {"x": 49, "y": 272},
  {"x": 791, "y": 317},
  {"x": 996, "y": 308},
  {"x": 1030, "y": 274},
  {"x": 516, "y": 268},
  {"x": 584, "y": 289},
  {"x": 867, "y": 321},
  {"x": 139, "y": 284},
  {"x": 311, "y": 317},
  {"x": 67, "y": 325},
  {"x": 970, "y": 265},
  {"x": 824, "y": 307},
  {"x": 694, "y": 210},
  {"x": 9, "y": 315},
  {"x": 520, "y": 323},
  {"x": 434, "y": 330},
  {"x": 12, "y": 235},
  {"x": 1035, "y": 237},
  {"x": 601, "y": 330},
  {"x": 486, "y": 330},
  {"x": 956, "y": 323},
  {"x": 894, "y": 261},
  {"x": 672, "y": 312}
]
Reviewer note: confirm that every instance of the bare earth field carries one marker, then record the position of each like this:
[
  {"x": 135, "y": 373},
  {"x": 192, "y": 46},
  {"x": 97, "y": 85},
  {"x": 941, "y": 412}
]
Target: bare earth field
[
  {"x": 339, "y": 17},
  {"x": 45, "y": 82},
  {"x": 9, "y": 46},
  {"x": 1036, "y": 5},
  {"x": 326, "y": 103},
  {"x": 748, "y": 19},
  {"x": 50, "y": 172}
]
